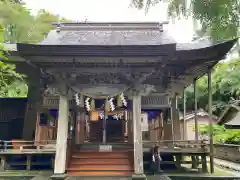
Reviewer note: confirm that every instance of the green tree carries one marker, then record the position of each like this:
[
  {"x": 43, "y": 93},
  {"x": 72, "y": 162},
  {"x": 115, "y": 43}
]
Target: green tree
[
  {"x": 221, "y": 134},
  {"x": 18, "y": 25},
  {"x": 225, "y": 83},
  {"x": 218, "y": 19},
  {"x": 11, "y": 83}
]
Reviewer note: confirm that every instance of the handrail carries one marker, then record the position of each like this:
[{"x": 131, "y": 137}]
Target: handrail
[
  {"x": 23, "y": 141},
  {"x": 182, "y": 144},
  {"x": 192, "y": 142},
  {"x": 23, "y": 145},
  {"x": 179, "y": 141}
]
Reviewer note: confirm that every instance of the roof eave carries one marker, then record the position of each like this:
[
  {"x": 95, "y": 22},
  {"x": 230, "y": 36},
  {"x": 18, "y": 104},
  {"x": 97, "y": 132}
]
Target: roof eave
[
  {"x": 222, "y": 119},
  {"x": 94, "y": 50},
  {"x": 232, "y": 126}
]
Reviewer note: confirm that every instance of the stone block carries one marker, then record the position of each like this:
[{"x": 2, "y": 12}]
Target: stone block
[
  {"x": 58, "y": 176},
  {"x": 139, "y": 177}
]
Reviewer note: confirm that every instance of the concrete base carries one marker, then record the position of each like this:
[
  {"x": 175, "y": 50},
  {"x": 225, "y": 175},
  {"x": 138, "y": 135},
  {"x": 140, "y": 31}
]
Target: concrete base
[
  {"x": 139, "y": 176},
  {"x": 58, "y": 176}
]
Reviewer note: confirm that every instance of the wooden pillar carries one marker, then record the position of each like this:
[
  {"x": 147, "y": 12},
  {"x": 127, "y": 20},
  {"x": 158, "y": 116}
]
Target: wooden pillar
[
  {"x": 184, "y": 114},
  {"x": 78, "y": 125},
  {"x": 175, "y": 119},
  {"x": 62, "y": 133},
  {"x": 151, "y": 129},
  {"x": 126, "y": 125},
  {"x": 30, "y": 119},
  {"x": 82, "y": 128},
  {"x": 137, "y": 137},
  {"x": 37, "y": 129},
  {"x": 130, "y": 128},
  {"x": 195, "y": 108},
  {"x": 167, "y": 124},
  {"x": 210, "y": 120},
  {"x": 34, "y": 98},
  {"x": 161, "y": 135}
]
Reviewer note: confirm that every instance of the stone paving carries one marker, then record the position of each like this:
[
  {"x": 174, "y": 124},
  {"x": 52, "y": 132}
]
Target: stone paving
[
  {"x": 227, "y": 164},
  {"x": 156, "y": 177}
]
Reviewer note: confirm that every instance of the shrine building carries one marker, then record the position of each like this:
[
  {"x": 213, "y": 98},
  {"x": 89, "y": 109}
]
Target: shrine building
[{"x": 100, "y": 93}]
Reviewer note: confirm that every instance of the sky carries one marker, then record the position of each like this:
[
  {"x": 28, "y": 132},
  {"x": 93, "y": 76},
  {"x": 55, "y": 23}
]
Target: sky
[{"x": 112, "y": 11}]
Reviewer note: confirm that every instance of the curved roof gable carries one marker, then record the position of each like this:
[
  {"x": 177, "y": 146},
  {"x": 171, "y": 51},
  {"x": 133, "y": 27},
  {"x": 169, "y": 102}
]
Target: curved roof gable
[{"x": 122, "y": 39}]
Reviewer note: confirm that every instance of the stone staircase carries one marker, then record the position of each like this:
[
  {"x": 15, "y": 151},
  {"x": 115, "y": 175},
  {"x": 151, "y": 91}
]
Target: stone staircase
[{"x": 86, "y": 160}]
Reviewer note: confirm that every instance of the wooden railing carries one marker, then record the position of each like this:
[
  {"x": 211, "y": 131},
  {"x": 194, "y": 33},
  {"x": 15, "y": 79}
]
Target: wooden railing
[
  {"x": 199, "y": 145},
  {"x": 30, "y": 154},
  {"x": 181, "y": 152},
  {"x": 22, "y": 145}
]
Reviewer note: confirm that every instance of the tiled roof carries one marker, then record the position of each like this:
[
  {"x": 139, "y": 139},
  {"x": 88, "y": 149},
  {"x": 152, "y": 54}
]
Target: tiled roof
[
  {"x": 108, "y": 34},
  {"x": 230, "y": 109},
  {"x": 197, "y": 44},
  {"x": 200, "y": 113},
  {"x": 235, "y": 121}
]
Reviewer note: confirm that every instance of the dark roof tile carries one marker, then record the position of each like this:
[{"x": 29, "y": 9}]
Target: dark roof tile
[{"x": 108, "y": 34}]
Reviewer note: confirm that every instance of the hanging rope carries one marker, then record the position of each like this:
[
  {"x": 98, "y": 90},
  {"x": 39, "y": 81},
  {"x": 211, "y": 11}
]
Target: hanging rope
[
  {"x": 124, "y": 102},
  {"x": 87, "y": 104},
  {"x": 112, "y": 106},
  {"x": 94, "y": 97},
  {"x": 109, "y": 102},
  {"x": 77, "y": 99}
]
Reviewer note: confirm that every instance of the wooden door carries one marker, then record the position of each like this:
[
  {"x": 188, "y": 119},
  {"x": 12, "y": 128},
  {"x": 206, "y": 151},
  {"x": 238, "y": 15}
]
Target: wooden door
[
  {"x": 115, "y": 131},
  {"x": 96, "y": 131}
]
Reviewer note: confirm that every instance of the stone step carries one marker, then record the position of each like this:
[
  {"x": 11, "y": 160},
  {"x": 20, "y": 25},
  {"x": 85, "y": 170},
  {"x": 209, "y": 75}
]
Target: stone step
[
  {"x": 102, "y": 167},
  {"x": 103, "y": 161},
  {"x": 102, "y": 174}
]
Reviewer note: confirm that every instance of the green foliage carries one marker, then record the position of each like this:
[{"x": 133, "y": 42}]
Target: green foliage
[
  {"x": 21, "y": 26},
  {"x": 219, "y": 19},
  {"x": 11, "y": 83},
  {"x": 18, "y": 25},
  {"x": 225, "y": 85},
  {"x": 221, "y": 135}
]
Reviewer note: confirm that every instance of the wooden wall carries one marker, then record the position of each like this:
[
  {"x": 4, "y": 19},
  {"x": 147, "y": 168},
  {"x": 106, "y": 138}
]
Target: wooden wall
[
  {"x": 156, "y": 128},
  {"x": 190, "y": 126},
  {"x": 45, "y": 132}
]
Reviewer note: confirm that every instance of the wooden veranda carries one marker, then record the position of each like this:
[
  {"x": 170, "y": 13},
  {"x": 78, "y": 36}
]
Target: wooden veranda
[{"x": 195, "y": 151}]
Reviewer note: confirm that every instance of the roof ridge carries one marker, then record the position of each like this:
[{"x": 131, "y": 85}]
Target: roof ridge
[{"x": 110, "y": 25}]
